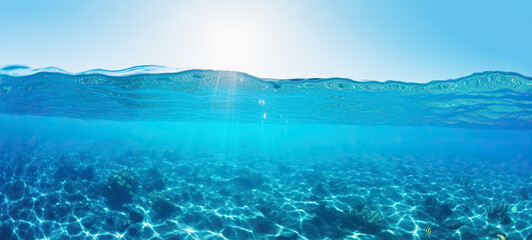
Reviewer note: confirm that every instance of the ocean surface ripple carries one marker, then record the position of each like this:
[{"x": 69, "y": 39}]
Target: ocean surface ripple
[{"x": 500, "y": 100}]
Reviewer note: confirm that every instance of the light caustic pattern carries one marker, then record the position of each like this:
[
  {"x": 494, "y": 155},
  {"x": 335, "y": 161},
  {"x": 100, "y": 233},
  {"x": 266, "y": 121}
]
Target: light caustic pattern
[{"x": 52, "y": 191}]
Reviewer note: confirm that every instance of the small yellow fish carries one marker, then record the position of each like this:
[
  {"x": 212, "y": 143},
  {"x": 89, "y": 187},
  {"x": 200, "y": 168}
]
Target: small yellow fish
[
  {"x": 428, "y": 230},
  {"x": 501, "y": 236}
]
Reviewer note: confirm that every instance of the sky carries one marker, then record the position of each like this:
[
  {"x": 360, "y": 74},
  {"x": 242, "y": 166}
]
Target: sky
[{"x": 414, "y": 41}]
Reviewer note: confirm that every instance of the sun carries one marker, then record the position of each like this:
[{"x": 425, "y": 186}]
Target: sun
[{"x": 232, "y": 45}]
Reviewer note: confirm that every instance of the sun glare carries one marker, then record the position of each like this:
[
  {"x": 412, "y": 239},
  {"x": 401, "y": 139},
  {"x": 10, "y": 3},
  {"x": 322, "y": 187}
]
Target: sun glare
[{"x": 232, "y": 45}]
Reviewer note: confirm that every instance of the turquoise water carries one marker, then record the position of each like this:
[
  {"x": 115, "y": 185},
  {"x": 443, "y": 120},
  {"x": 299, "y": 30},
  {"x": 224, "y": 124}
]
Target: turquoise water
[{"x": 156, "y": 153}]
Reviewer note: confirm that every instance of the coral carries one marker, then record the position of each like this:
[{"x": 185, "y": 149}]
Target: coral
[
  {"x": 154, "y": 180},
  {"x": 121, "y": 187},
  {"x": 499, "y": 212},
  {"x": 66, "y": 171},
  {"x": 162, "y": 203},
  {"x": 335, "y": 221},
  {"x": 115, "y": 220},
  {"x": 439, "y": 211},
  {"x": 463, "y": 181}
]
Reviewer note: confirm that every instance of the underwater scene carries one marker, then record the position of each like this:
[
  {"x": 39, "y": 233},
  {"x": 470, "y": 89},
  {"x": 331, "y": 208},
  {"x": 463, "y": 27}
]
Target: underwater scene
[{"x": 150, "y": 152}]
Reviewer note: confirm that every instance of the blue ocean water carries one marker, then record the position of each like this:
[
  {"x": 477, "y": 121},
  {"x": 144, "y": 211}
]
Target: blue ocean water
[{"x": 156, "y": 153}]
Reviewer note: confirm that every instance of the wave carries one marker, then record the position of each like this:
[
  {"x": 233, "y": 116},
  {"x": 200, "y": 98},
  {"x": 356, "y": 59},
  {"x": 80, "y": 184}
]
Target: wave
[
  {"x": 482, "y": 100},
  {"x": 489, "y": 80},
  {"x": 20, "y": 70}
]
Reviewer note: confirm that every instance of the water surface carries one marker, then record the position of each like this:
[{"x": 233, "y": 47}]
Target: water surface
[{"x": 154, "y": 153}]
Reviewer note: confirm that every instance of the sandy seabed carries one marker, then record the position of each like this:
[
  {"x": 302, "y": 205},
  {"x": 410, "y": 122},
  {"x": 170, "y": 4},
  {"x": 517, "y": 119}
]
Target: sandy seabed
[{"x": 81, "y": 190}]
